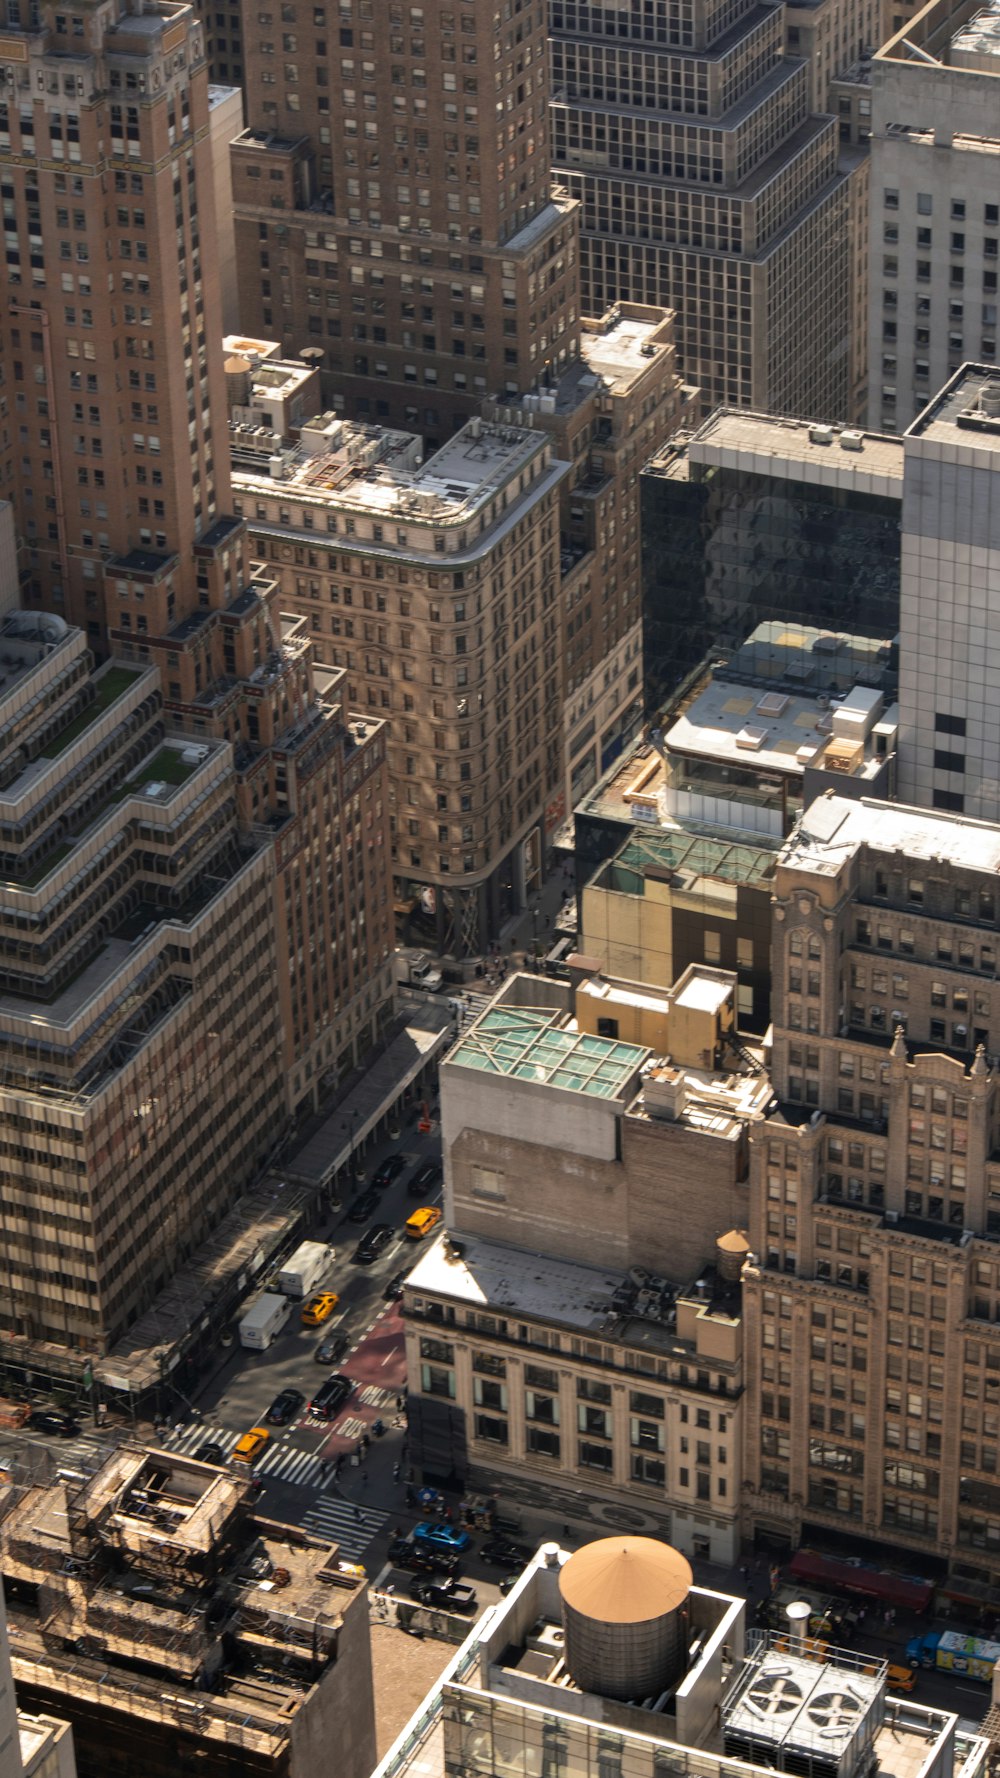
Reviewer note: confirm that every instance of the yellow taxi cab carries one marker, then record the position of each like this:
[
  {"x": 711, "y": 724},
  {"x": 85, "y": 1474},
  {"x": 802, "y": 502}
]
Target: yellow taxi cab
[
  {"x": 251, "y": 1446},
  {"x": 900, "y": 1679},
  {"x": 319, "y": 1308},
  {"x": 422, "y": 1221}
]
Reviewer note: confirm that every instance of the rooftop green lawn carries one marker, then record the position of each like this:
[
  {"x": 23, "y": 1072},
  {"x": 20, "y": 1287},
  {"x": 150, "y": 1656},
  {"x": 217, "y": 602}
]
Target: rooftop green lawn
[{"x": 109, "y": 689}]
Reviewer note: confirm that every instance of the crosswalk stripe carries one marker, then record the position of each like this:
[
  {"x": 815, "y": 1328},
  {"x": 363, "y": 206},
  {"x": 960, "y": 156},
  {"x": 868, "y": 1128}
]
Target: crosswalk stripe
[{"x": 352, "y": 1528}]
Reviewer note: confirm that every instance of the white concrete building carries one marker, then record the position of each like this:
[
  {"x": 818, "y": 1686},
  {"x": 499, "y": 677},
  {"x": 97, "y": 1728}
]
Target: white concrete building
[
  {"x": 949, "y": 664},
  {"x": 935, "y": 205}
]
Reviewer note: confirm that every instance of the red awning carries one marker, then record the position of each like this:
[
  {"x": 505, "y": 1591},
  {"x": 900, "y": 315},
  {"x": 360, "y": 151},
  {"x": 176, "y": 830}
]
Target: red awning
[{"x": 863, "y": 1578}]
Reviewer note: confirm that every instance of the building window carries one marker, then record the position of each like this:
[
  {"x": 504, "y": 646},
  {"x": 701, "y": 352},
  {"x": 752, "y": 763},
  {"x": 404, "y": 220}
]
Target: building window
[
  {"x": 595, "y": 1456},
  {"x": 493, "y": 1431}
]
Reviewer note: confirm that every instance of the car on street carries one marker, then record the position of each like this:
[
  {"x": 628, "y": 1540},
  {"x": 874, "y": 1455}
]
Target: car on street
[
  {"x": 388, "y": 1171},
  {"x": 252, "y": 1445},
  {"x": 331, "y": 1347},
  {"x": 441, "y": 1536},
  {"x": 373, "y": 1243},
  {"x": 394, "y": 1289},
  {"x": 508, "y": 1583},
  {"x": 422, "y": 1222},
  {"x": 331, "y": 1396},
  {"x": 445, "y": 1595},
  {"x": 502, "y": 1552},
  {"x": 50, "y": 1420},
  {"x": 285, "y": 1407},
  {"x": 425, "y": 1180},
  {"x": 362, "y": 1206},
  {"x": 319, "y": 1308},
  {"x": 422, "y": 1558},
  {"x": 210, "y": 1453}
]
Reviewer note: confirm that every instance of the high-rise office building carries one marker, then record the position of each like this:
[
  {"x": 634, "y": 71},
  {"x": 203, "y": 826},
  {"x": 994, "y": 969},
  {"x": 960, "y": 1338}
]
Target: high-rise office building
[
  {"x": 871, "y": 1311},
  {"x": 201, "y": 820},
  {"x": 935, "y": 209},
  {"x": 395, "y": 208},
  {"x": 949, "y": 646},
  {"x": 760, "y": 519},
  {"x": 708, "y": 185}
]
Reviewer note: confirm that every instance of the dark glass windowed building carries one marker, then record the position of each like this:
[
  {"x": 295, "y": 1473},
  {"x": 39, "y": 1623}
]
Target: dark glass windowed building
[{"x": 755, "y": 520}]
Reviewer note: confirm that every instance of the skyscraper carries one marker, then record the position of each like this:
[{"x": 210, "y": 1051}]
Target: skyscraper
[
  {"x": 707, "y": 184},
  {"x": 935, "y": 208},
  {"x": 395, "y": 208},
  {"x": 196, "y": 934}
]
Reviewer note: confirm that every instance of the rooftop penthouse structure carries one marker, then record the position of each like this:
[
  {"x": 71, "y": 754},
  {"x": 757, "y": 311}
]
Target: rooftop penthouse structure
[{"x": 172, "y": 1623}]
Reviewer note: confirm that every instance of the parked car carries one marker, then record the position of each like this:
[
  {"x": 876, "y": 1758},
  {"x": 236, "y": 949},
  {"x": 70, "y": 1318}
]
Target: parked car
[
  {"x": 508, "y": 1583},
  {"x": 331, "y": 1396},
  {"x": 422, "y": 1558},
  {"x": 319, "y": 1308},
  {"x": 331, "y": 1347},
  {"x": 425, "y": 1180},
  {"x": 210, "y": 1453},
  {"x": 372, "y": 1244},
  {"x": 422, "y": 1222},
  {"x": 252, "y": 1445},
  {"x": 362, "y": 1206},
  {"x": 285, "y": 1407},
  {"x": 52, "y": 1421},
  {"x": 394, "y": 1289},
  {"x": 389, "y": 1170},
  {"x": 445, "y": 1595},
  {"x": 441, "y": 1536},
  {"x": 502, "y": 1552}
]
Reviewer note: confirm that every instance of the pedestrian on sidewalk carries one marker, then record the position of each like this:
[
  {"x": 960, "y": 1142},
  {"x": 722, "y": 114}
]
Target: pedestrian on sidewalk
[
  {"x": 396, "y": 1472},
  {"x": 364, "y": 1478}
]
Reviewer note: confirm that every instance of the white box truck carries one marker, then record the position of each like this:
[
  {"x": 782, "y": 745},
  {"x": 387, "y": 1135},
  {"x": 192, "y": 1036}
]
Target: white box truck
[
  {"x": 300, "y": 1275},
  {"x": 416, "y": 970},
  {"x": 266, "y": 1318}
]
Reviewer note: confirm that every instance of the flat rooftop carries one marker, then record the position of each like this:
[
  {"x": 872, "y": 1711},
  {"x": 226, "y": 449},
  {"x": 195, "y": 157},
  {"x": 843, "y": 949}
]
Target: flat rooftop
[
  {"x": 525, "y": 1043},
  {"x": 449, "y": 488},
  {"x": 738, "y": 725},
  {"x": 784, "y": 447},
  {"x": 956, "y": 416},
  {"x": 595, "y": 1299},
  {"x": 833, "y": 828},
  {"x": 622, "y": 350}
]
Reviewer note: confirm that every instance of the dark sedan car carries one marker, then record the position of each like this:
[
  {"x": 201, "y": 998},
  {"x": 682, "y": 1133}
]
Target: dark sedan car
[
  {"x": 331, "y": 1396},
  {"x": 425, "y": 1180},
  {"x": 210, "y": 1453},
  {"x": 446, "y": 1595},
  {"x": 331, "y": 1347},
  {"x": 388, "y": 1171},
  {"x": 362, "y": 1206},
  {"x": 421, "y": 1558},
  {"x": 394, "y": 1289},
  {"x": 373, "y": 1243},
  {"x": 500, "y": 1552},
  {"x": 285, "y": 1407},
  {"x": 50, "y": 1420}
]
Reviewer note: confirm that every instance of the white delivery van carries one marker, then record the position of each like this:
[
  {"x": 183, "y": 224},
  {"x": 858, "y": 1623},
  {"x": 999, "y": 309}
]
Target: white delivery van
[
  {"x": 300, "y": 1274},
  {"x": 267, "y": 1317}
]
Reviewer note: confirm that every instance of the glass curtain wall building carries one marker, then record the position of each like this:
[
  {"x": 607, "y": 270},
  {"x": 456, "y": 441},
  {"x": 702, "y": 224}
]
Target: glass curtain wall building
[{"x": 742, "y": 530}]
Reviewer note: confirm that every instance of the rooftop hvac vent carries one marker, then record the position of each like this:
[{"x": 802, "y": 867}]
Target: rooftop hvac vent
[
  {"x": 850, "y": 440},
  {"x": 821, "y": 435}
]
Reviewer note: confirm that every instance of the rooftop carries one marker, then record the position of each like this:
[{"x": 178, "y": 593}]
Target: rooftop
[
  {"x": 389, "y": 483},
  {"x": 775, "y": 731},
  {"x": 834, "y": 828},
  {"x": 535, "y": 1045},
  {"x": 621, "y": 346},
  {"x": 966, "y": 412},
  {"x": 509, "y": 1687},
  {"x": 786, "y": 447},
  {"x": 624, "y": 1306},
  {"x": 685, "y": 858}
]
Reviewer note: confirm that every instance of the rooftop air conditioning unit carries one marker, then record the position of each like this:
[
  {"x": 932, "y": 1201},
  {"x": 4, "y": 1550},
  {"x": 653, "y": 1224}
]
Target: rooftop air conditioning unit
[
  {"x": 851, "y": 440},
  {"x": 821, "y": 435}
]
